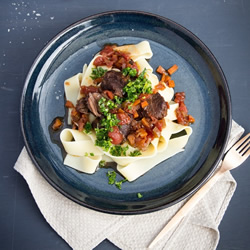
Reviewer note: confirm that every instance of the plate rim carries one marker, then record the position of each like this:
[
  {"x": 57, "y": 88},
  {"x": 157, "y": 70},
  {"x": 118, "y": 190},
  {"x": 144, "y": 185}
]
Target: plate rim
[{"x": 201, "y": 44}]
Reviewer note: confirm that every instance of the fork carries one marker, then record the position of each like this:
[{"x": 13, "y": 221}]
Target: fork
[{"x": 234, "y": 157}]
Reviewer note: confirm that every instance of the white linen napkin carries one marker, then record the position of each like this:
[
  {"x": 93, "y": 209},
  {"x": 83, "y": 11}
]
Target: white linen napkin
[{"x": 83, "y": 228}]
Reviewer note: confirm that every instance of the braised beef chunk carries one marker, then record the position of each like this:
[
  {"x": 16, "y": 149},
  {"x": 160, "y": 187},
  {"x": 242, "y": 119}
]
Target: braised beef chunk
[
  {"x": 157, "y": 107},
  {"x": 93, "y": 99},
  {"x": 135, "y": 125},
  {"x": 82, "y": 106},
  {"x": 125, "y": 129},
  {"x": 114, "y": 81}
]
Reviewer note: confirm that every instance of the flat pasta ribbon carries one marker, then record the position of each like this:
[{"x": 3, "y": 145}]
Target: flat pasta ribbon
[
  {"x": 136, "y": 169},
  {"x": 81, "y": 151},
  {"x": 137, "y": 51},
  {"x": 79, "y": 145}
]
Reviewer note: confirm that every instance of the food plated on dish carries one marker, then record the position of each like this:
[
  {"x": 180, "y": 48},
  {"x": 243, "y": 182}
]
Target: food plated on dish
[
  {"x": 120, "y": 111},
  {"x": 169, "y": 181}
]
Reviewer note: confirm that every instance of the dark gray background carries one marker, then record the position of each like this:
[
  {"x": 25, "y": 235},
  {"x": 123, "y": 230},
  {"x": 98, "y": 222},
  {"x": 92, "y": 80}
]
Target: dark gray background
[{"x": 26, "y": 27}]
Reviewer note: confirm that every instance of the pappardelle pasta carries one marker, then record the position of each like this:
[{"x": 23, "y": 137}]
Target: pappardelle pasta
[{"x": 120, "y": 111}]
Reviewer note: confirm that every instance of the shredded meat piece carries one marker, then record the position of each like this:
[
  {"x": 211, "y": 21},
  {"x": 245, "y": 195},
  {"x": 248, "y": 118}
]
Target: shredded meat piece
[
  {"x": 82, "y": 106},
  {"x": 75, "y": 115},
  {"x": 82, "y": 122},
  {"x": 93, "y": 99}
]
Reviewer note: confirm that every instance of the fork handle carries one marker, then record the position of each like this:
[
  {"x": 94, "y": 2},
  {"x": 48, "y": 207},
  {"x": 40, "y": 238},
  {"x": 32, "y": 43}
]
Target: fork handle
[{"x": 187, "y": 207}]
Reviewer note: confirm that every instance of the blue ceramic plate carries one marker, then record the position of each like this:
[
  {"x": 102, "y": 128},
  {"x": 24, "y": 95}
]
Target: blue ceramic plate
[{"x": 199, "y": 75}]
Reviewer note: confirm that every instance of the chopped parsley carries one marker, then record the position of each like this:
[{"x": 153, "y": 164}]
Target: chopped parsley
[
  {"x": 139, "y": 195},
  {"x": 129, "y": 71},
  {"x": 118, "y": 184},
  {"x": 141, "y": 85},
  {"x": 112, "y": 176},
  {"x": 118, "y": 150},
  {"x": 102, "y": 139},
  {"x": 110, "y": 121},
  {"x": 97, "y": 73},
  {"x": 102, "y": 163},
  {"x": 105, "y": 105},
  {"x": 135, "y": 153},
  {"x": 107, "y": 123},
  {"x": 112, "y": 179},
  {"x": 118, "y": 100},
  {"x": 87, "y": 154},
  {"x": 87, "y": 128},
  {"x": 130, "y": 106}
]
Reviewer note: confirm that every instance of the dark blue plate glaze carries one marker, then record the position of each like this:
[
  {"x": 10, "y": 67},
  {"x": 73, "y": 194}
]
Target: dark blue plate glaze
[{"x": 199, "y": 75}]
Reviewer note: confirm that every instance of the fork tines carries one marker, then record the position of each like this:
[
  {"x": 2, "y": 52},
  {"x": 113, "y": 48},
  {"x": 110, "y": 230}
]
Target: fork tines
[{"x": 243, "y": 146}]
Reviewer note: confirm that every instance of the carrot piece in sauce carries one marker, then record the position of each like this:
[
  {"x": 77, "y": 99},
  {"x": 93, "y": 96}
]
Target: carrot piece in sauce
[
  {"x": 120, "y": 110},
  {"x": 172, "y": 69},
  {"x": 160, "y": 70},
  {"x": 57, "y": 124},
  {"x": 144, "y": 104},
  {"x": 163, "y": 77},
  {"x": 171, "y": 84},
  {"x": 191, "y": 119},
  {"x": 69, "y": 104},
  {"x": 136, "y": 102},
  {"x": 167, "y": 78},
  {"x": 168, "y": 106},
  {"x": 145, "y": 122},
  {"x": 159, "y": 86},
  {"x": 135, "y": 114},
  {"x": 131, "y": 139},
  {"x": 109, "y": 94},
  {"x": 141, "y": 132}
]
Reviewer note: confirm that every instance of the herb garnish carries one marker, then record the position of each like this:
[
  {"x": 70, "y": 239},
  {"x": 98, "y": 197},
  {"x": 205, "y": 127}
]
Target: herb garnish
[
  {"x": 102, "y": 139},
  {"x": 112, "y": 176},
  {"x": 87, "y": 154},
  {"x": 112, "y": 179},
  {"x": 102, "y": 163},
  {"x": 118, "y": 100},
  {"x": 140, "y": 85},
  {"x": 132, "y": 91},
  {"x": 139, "y": 195},
  {"x": 118, "y": 184},
  {"x": 87, "y": 128},
  {"x": 110, "y": 121},
  {"x": 135, "y": 153},
  {"x": 107, "y": 124},
  {"x": 129, "y": 71},
  {"x": 97, "y": 73},
  {"x": 118, "y": 150},
  {"x": 105, "y": 105}
]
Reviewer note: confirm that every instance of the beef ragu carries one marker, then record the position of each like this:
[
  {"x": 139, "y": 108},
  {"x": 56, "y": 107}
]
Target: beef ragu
[
  {"x": 114, "y": 81},
  {"x": 113, "y": 58},
  {"x": 124, "y": 105}
]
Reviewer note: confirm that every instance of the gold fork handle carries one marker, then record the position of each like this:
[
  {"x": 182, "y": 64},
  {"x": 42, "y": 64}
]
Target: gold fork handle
[{"x": 187, "y": 207}]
